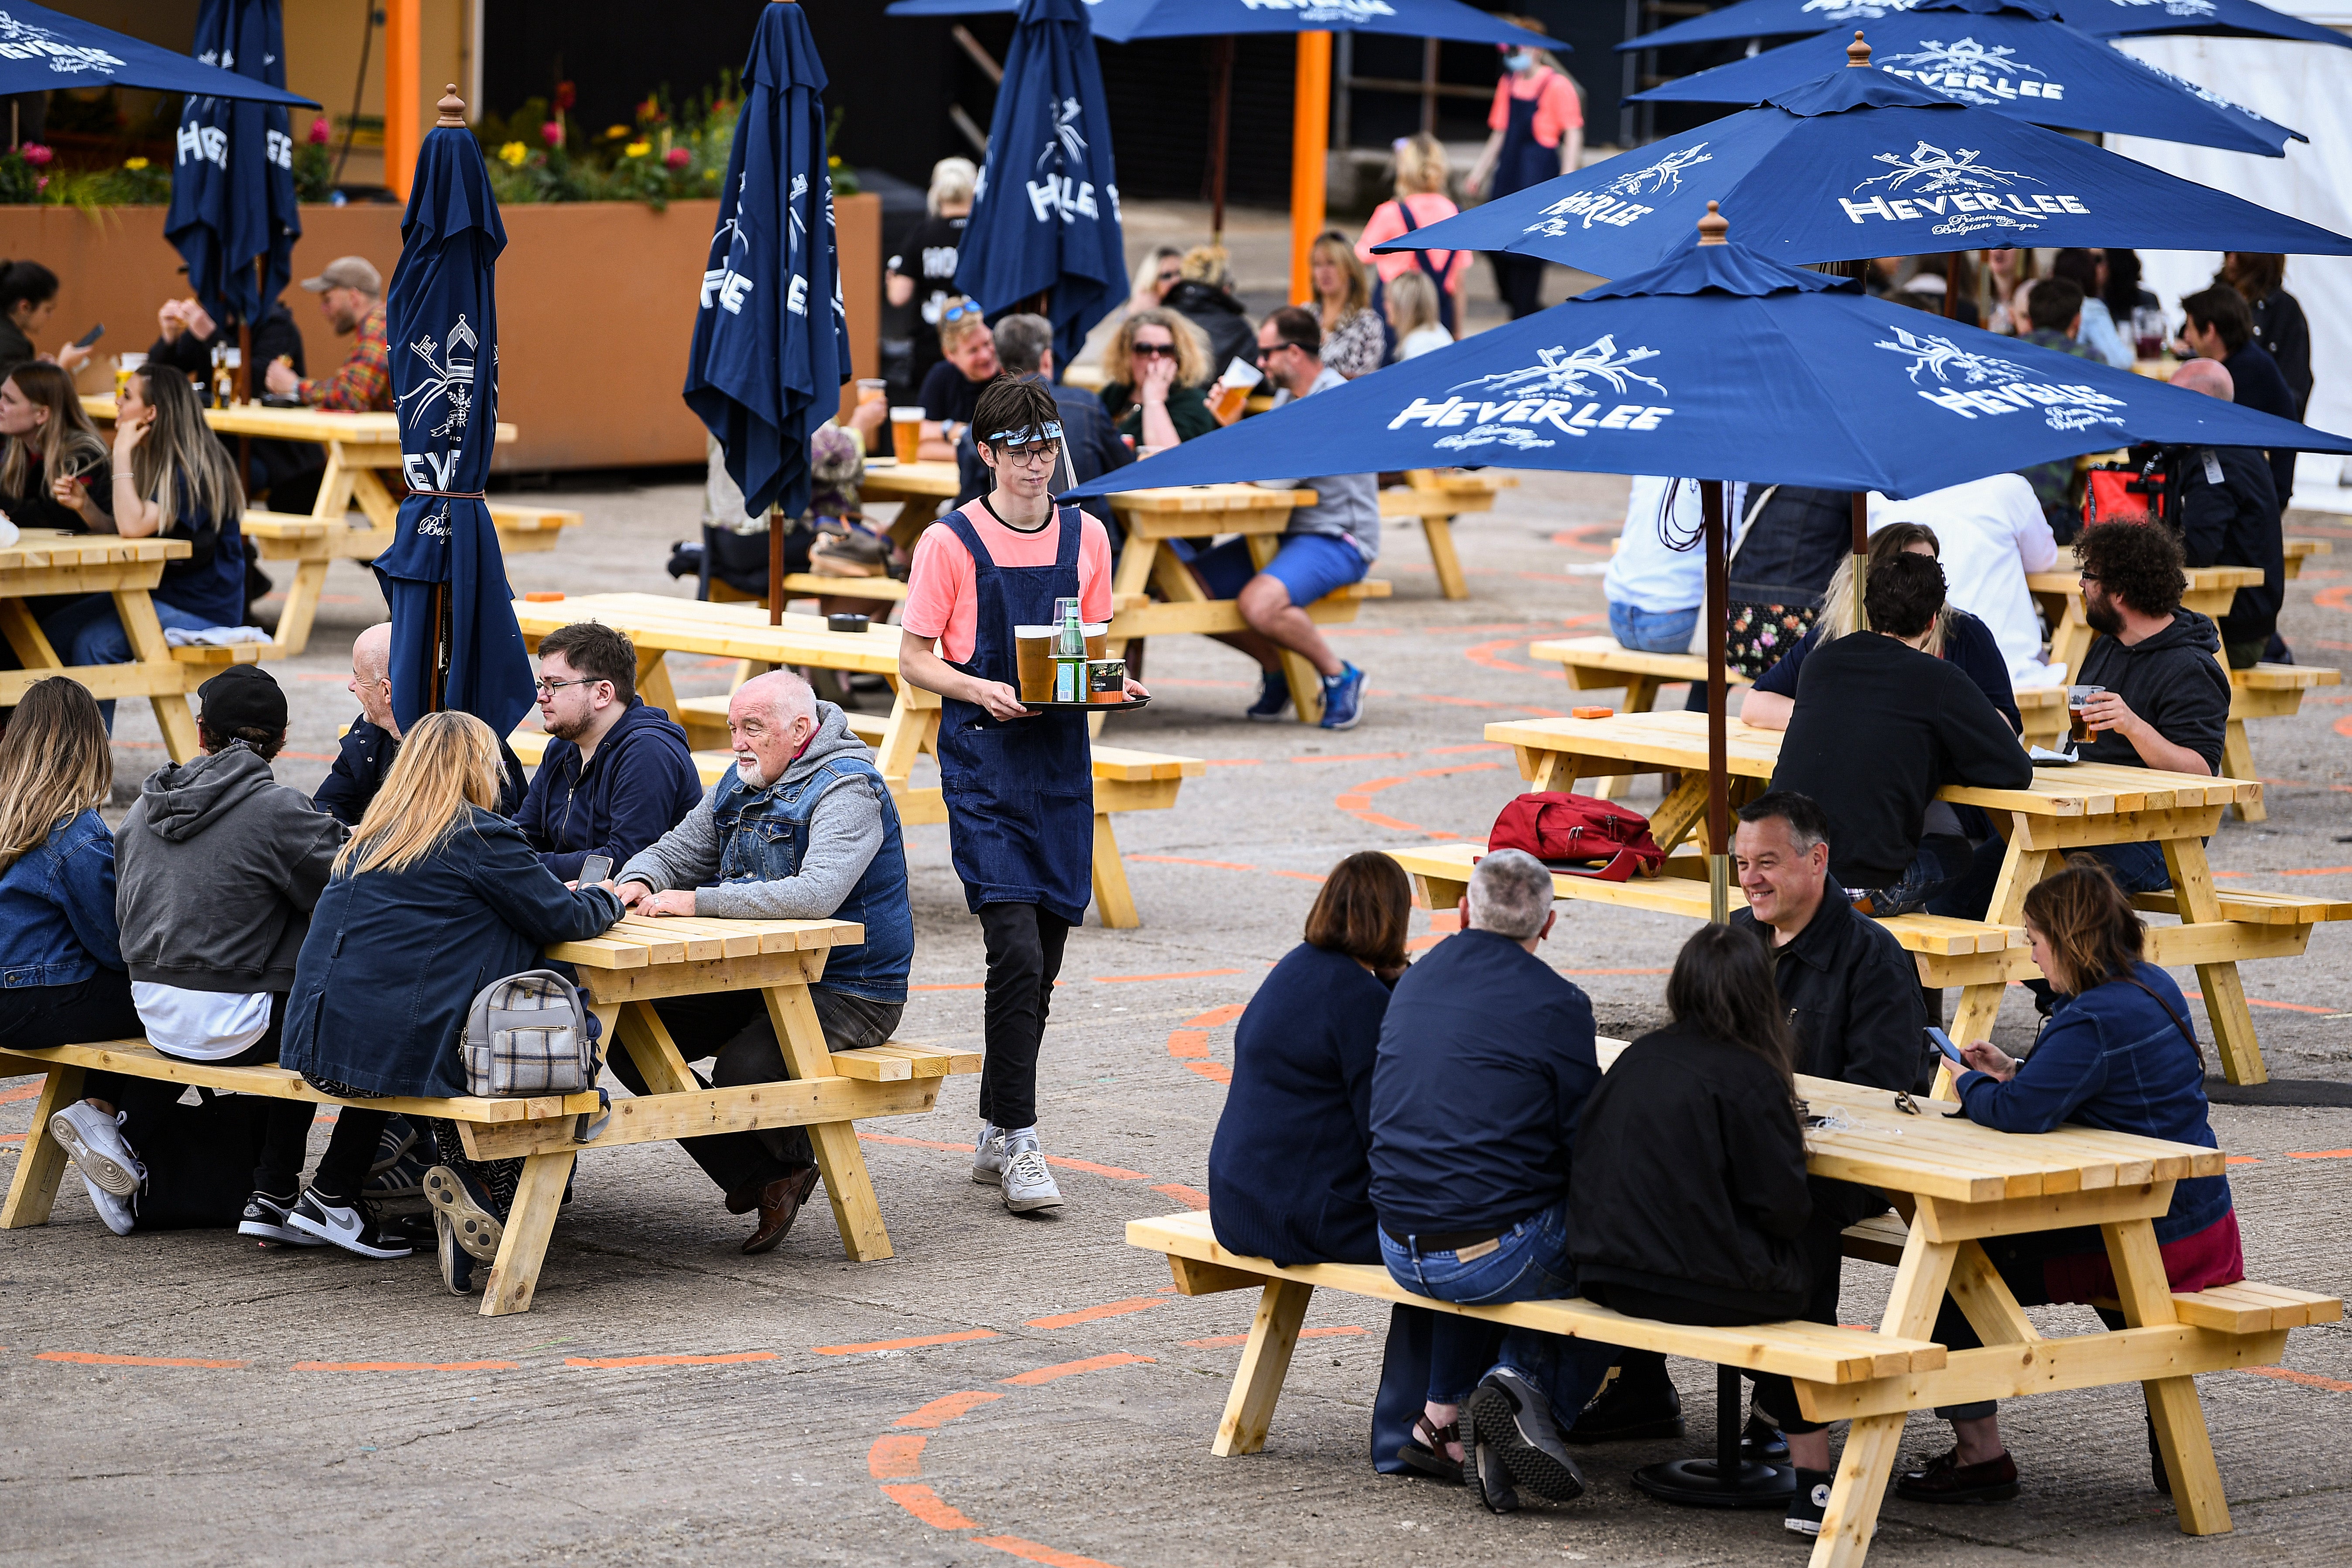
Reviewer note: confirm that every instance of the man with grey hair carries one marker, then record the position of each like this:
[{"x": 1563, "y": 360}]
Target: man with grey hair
[
  {"x": 1025, "y": 347},
  {"x": 803, "y": 828},
  {"x": 1485, "y": 1062}
]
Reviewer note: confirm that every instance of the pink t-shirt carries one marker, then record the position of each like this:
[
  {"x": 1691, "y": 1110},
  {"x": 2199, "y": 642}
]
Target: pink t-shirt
[
  {"x": 1558, "y": 109},
  {"x": 940, "y": 599},
  {"x": 1386, "y": 223}
]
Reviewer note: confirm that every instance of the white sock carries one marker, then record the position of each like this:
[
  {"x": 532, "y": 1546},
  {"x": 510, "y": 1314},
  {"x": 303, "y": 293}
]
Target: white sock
[{"x": 1027, "y": 1135}]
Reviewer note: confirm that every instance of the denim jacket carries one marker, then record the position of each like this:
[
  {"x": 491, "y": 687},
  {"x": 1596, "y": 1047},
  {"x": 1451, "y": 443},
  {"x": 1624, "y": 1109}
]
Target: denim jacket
[
  {"x": 764, "y": 833},
  {"x": 56, "y": 908}
]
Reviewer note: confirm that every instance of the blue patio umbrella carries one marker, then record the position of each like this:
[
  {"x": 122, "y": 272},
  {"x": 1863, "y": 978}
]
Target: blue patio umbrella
[
  {"x": 2016, "y": 60},
  {"x": 454, "y": 643},
  {"x": 2100, "y": 18},
  {"x": 1855, "y": 163},
  {"x": 1123, "y": 21},
  {"x": 41, "y": 49},
  {"x": 1045, "y": 212},
  {"x": 232, "y": 201},
  {"x": 770, "y": 347}
]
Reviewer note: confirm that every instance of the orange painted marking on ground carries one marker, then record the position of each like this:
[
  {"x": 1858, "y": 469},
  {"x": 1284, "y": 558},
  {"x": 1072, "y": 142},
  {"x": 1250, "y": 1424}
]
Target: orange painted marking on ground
[
  {"x": 1219, "y": 1342},
  {"x": 1188, "y": 1043},
  {"x": 1094, "y": 1314},
  {"x": 1215, "y": 1072},
  {"x": 406, "y": 1365},
  {"x": 946, "y": 1408},
  {"x": 1075, "y": 1368},
  {"x": 2333, "y": 598},
  {"x": 918, "y": 1342},
  {"x": 23, "y": 1091},
  {"x": 911, "y": 1143},
  {"x": 895, "y": 1454},
  {"x": 2240, "y": 1160},
  {"x": 1457, "y": 751},
  {"x": 925, "y": 1504},
  {"x": 1357, "y": 757},
  {"x": 1179, "y": 974},
  {"x": 2323, "y": 1154},
  {"x": 1489, "y": 654},
  {"x": 1191, "y": 1199},
  {"x": 2309, "y": 1379},
  {"x": 1116, "y": 1173},
  {"x": 1357, "y": 803},
  {"x": 2257, "y": 1002},
  {"x": 620, "y": 1360},
  {"x": 1301, "y": 877},
  {"x": 1017, "y": 1547},
  {"x": 1181, "y": 860},
  {"x": 88, "y": 1358},
  {"x": 1216, "y": 1017},
  {"x": 1235, "y": 762}
]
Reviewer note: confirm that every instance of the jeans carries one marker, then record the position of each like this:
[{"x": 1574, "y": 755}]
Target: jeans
[
  {"x": 1943, "y": 861},
  {"x": 88, "y": 631},
  {"x": 1024, "y": 954},
  {"x": 1652, "y": 631},
  {"x": 1529, "y": 1263}
]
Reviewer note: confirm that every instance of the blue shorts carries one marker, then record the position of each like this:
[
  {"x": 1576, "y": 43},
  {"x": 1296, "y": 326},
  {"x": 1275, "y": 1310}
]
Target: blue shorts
[{"x": 1311, "y": 565}]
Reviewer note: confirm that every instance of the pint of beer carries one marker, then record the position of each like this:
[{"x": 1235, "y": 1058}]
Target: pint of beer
[
  {"x": 1232, "y": 391},
  {"x": 906, "y": 432}
]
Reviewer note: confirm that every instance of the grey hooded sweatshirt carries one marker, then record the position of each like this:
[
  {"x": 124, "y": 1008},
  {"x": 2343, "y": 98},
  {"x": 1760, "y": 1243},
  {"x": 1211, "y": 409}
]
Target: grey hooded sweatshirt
[
  {"x": 844, "y": 832},
  {"x": 217, "y": 870}
]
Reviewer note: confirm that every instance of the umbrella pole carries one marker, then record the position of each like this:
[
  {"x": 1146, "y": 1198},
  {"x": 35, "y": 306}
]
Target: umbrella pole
[
  {"x": 433, "y": 686},
  {"x": 1861, "y": 559},
  {"x": 1220, "y": 117},
  {"x": 1718, "y": 808},
  {"x": 775, "y": 567}
]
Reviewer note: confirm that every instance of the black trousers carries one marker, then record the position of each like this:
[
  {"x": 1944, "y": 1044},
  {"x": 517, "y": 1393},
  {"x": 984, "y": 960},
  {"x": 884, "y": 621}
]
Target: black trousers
[
  {"x": 86, "y": 1012},
  {"x": 732, "y": 1027},
  {"x": 1025, "y": 956},
  {"x": 1519, "y": 280}
]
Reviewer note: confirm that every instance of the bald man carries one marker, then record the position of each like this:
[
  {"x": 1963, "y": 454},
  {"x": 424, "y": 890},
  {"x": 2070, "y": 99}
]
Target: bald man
[
  {"x": 2229, "y": 516},
  {"x": 803, "y": 828},
  {"x": 374, "y": 739}
]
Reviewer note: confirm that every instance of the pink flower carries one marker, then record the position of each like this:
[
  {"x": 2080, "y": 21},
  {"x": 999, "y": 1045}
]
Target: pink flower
[
  {"x": 678, "y": 157},
  {"x": 552, "y": 133},
  {"x": 37, "y": 155},
  {"x": 320, "y": 131},
  {"x": 42, "y": 184}
]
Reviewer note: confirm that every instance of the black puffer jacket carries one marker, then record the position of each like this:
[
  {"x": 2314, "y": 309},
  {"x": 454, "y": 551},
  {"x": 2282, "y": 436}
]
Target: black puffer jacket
[
  {"x": 1219, "y": 314},
  {"x": 1689, "y": 1177}
]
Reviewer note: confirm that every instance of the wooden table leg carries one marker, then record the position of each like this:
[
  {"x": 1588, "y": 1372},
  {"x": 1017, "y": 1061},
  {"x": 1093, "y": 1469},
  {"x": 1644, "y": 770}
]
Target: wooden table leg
[
  {"x": 167, "y": 696},
  {"x": 1112, "y": 896},
  {"x": 2180, "y": 1421},
  {"x": 42, "y": 1162},
  {"x": 2237, "y": 763},
  {"x": 1439, "y": 532},
  {"x": 370, "y": 494},
  {"x": 334, "y": 497},
  {"x": 1266, "y": 1360},
  {"x": 1681, "y": 813},
  {"x": 647, "y": 1040},
  {"x": 301, "y": 608},
  {"x": 1557, "y": 771},
  {"x": 531, "y": 1219},
  {"x": 2070, "y": 639},
  {"x": 653, "y": 680},
  {"x": 913, "y": 724},
  {"x": 1641, "y": 694},
  {"x": 2225, "y": 994},
  {"x": 848, "y": 1186},
  {"x": 1874, "y": 1442}
]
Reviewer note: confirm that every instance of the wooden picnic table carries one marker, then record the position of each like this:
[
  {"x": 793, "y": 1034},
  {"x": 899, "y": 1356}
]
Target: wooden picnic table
[
  {"x": 1435, "y": 498},
  {"x": 47, "y": 561},
  {"x": 927, "y": 488},
  {"x": 2063, "y": 809},
  {"x": 361, "y": 448},
  {"x": 2297, "y": 550}
]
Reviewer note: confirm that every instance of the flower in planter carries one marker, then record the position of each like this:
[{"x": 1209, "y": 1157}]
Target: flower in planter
[
  {"x": 513, "y": 153},
  {"x": 614, "y": 133},
  {"x": 135, "y": 165},
  {"x": 638, "y": 149},
  {"x": 709, "y": 174},
  {"x": 322, "y": 131},
  {"x": 677, "y": 158},
  {"x": 552, "y": 133},
  {"x": 37, "y": 155},
  {"x": 566, "y": 95}
]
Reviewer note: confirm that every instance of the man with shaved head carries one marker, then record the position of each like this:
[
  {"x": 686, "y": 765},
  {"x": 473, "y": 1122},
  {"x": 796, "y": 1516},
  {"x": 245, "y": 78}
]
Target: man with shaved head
[
  {"x": 2228, "y": 515},
  {"x": 374, "y": 739},
  {"x": 803, "y": 828}
]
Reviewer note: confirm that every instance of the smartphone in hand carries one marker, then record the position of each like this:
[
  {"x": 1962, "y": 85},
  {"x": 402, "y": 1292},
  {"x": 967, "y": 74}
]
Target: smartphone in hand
[
  {"x": 90, "y": 336},
  {"x": 595, "y": 869},
  {"x": 1943, "y": 1043}
]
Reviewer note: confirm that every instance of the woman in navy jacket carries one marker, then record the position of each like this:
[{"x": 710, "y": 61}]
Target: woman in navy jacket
[{"x": 2118, "y": 1054}]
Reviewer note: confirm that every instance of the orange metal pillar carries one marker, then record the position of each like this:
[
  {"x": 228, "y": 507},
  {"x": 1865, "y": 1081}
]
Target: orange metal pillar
[
  {"x": 404, "y": 120},
  {"x": 1310, "y": 140}
]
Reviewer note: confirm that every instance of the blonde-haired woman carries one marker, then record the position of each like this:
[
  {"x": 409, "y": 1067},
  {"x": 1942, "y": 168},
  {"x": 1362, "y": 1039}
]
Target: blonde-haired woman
[
  {"x": 1420, "y": 199},
  {"x": 927, "y": 260},
  {"x": 55, "y": 473},
  {"x": 1355, "y": 341},
  {"x": 1411, "y": 306},
  {"x": 1156, "y": 369},
  {"x": 434, "y": 897},
  {"x": 172, "y": 480},
  {"x": 1161, "y": 269}
]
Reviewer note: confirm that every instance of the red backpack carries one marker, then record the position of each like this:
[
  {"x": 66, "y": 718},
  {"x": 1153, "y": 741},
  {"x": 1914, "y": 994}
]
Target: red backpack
[{"x": 1579, "y": 835}]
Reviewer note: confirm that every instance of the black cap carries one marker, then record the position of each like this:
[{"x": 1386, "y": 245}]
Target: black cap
[{"x": 242, "y": 697}]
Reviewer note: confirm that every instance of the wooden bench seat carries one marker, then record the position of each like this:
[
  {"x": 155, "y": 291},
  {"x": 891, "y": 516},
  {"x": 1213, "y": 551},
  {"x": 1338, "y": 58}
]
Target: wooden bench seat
[
  {"x": 2265, "y": 691},
  {"x": 527, "y": 530},
  {"x": 1434, "y": 499},
  {"x": 2254, "y": 907},
  {"x": 223, "y": 656}
]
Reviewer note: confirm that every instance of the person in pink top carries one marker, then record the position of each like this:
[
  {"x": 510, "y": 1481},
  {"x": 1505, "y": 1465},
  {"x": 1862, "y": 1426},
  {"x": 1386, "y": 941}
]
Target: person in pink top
[
  {"x": 1419, "y": 200},
  {"x": 1537, "y": 125}
]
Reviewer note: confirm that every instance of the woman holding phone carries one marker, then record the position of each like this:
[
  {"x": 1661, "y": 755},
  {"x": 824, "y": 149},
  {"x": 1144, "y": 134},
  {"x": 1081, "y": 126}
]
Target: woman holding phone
[
  {"x": 55, "y": 473},
  {"x": 29, "y": 297}
]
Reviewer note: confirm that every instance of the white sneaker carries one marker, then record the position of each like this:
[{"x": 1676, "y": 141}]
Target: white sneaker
[
  {"x": 987, "y": 1157},
  {"x": 93, "y": 1141},
  {"x": 1027, "y": 1185},
  {"x": 115, "y": 1211},
  {"x": 347, "y": 1227}
]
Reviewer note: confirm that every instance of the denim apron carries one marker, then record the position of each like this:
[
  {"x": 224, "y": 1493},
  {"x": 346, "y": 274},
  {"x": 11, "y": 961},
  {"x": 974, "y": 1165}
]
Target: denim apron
[
  {"x": 1524, "y": 161},
  {"x": 1020, "y": 796}
]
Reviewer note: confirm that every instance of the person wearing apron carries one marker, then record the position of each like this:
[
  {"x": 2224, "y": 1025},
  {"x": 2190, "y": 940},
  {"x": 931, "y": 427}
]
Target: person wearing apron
[
  {"x": 1018, "y": 783},
  {"x": 1518, "y": 156}
]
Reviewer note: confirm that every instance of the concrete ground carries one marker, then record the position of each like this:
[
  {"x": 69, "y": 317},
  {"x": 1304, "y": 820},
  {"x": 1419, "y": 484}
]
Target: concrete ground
[{"x": 1028, "y": 1388}]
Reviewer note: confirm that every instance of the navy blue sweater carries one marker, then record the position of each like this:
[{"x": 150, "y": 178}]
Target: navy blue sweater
[
  {"x": 1289, "y": 1169},
  {"x": 2113, "y": 1058},
  {"x": 1485, "y": 1060},
  {"x": 640, "y": 784}
]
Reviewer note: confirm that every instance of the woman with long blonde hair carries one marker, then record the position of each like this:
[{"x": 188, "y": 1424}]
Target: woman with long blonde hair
[
  {"x": 434, "y": 897},
  {"x": 1156, "y": 371},
  {"x": 1421, "y": 174},
  {"x": 55, "y": 473},
  {"x": 1354, "y": 341}
]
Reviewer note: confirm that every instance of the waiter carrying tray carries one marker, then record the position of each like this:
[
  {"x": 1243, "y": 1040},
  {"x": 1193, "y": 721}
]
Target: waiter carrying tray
[{"x": 1018, "y": 780}]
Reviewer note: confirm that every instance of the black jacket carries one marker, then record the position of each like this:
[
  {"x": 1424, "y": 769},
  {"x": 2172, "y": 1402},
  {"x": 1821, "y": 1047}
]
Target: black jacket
[
  {"x": 1690, "y": 1177},
  {"x": 2284, "y": 333},
  {"x": 2255, "y": 378},
  {"x": 2173, "y": 680},
  {"x": 2234, "y": 521},
  {"x": 359, "y": 765},
  {"x": 641, "y": 783},
  {"x": 1794, "y": 539},
  {"x": 1219, "y": 314},
  {"x": 1877, "y": 729}
]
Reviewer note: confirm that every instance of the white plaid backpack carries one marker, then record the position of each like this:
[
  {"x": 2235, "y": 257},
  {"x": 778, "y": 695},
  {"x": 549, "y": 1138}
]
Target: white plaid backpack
[{"x": 531, "y": 1034}]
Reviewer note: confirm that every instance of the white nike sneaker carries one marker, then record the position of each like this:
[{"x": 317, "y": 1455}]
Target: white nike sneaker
[
  {"x": 347, "y": 1227},
  {"x": 115, "y": 1211},
  {"x": 987, "y": 1157},
  {"x": 93, "y": 1141},
  {"x": 1027, "y": 1185}
]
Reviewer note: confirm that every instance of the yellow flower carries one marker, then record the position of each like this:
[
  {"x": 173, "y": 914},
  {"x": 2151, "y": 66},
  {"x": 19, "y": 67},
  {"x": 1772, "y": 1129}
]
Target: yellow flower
[
  {"x": 134, "y": 163},
  {"x": 638, "y": 149},
  {"x": 513, "y": 153},
  {"x": 709, "y": 174},
  {"x": 614, "y": 133}
]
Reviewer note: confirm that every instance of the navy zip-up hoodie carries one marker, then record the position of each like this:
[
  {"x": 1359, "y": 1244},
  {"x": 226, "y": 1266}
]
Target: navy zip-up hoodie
[{"x": 640, "y": 784}]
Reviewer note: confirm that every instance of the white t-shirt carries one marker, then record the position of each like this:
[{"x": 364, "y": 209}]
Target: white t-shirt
[
  {"x": 1991, "y": 532},
  {"x": 1422, "y": 340},
  {"x": 1647, "y": 574},
  {"x": 200, "y": 1026}
]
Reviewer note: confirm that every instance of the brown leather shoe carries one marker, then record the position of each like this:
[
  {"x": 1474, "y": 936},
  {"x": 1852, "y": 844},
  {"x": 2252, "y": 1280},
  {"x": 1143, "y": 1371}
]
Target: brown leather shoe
[
  {"x": 1945, "y": 1480},
  {"x": 779, "y": 1204}
]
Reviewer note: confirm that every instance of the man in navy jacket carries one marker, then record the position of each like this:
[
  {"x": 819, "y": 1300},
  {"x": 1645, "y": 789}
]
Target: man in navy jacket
[{"x": 617, "y": 774}]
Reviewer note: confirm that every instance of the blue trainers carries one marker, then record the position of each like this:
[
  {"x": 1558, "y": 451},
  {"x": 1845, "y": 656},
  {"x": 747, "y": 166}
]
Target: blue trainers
[
  {"x": 1343, "y": 698},
  {"x": 1273, "y": 697}
]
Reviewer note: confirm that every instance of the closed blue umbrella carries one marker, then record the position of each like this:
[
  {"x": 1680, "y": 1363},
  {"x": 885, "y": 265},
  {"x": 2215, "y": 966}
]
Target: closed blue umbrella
[
  {"x": 454, "y": 643},
  {"x": 2100, "y": 18},
  {"x": 41, "y": 49},
  {"x": 1045, "y": 212},
  {"x": 1124, "y": 21},
  {"x": 1858, "y": 163},
  {"x": 232, "y": 202},
  {"x": 771, "y": 341},
  {"x": 2015, "y": 60}
]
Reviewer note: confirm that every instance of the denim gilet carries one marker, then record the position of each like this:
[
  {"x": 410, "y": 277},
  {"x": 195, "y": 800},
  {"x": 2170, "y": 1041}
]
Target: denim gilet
[{"x": 763, "y": 834}]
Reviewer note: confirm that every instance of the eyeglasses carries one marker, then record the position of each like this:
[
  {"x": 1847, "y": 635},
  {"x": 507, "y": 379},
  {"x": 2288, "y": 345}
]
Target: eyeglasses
[
  {"x": 549, "y": 687},
  {"x": 958, "y": 313},
  {"x": 2089, "y": 576},
  {"x": 1035, "y": 454},
  {"x": 1172, "y": 278},
  {"x": 1907, "y": 1105},
  {"x": 1153, "y": 350}
]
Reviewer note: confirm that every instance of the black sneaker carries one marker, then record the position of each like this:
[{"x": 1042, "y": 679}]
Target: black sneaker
[
  {"x": 1483, "y": 1470},
  {"x": 1512, "y": 1415},
  {"x": 1273, "y": 697},
  {"x": 1761, "y": 1442},
  {"x": 456, "y": 1264},
  {"x": 265, "y": 1217},
  {"x": 1638, "y": 1404},
  {"x": 472, "y": 1214},
  {"x": 1807, "y": 1503},
  {"x": 347, "y": 1226}
]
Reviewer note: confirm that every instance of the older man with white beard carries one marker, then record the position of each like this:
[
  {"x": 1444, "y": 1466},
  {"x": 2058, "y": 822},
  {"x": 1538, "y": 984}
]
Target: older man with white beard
[{"x": 803, "y": 828}]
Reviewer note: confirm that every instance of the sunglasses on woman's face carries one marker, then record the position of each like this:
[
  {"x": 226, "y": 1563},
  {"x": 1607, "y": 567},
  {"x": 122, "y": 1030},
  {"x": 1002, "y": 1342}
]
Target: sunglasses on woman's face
[
  {"x": 1168, "y": 277},
  {"x": 1150, "y": 351}
]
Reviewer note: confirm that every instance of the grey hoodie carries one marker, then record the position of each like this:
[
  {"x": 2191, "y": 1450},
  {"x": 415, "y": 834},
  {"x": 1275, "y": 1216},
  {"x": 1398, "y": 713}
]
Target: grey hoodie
[
  {"x": 217, "y": 870},
  {"x": 844, "y": 832}
]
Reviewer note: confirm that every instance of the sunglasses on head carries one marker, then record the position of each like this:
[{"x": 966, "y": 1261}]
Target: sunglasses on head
[{"x": 958, "y": 313}]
